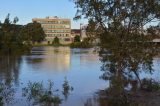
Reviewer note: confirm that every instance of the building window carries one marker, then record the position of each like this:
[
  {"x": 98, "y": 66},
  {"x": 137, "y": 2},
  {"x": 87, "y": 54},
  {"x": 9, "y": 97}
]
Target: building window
[{"x": 67, "y": 35}]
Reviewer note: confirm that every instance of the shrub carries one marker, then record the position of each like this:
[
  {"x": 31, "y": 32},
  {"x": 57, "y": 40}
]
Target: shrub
[
  {"x": 66, "y": 88},
  {"x": 150, "y": 85},
  {"x": 39, "y": 94},
  {"x": 77, "y": 38},
  {"x": 56, "y": 40}
]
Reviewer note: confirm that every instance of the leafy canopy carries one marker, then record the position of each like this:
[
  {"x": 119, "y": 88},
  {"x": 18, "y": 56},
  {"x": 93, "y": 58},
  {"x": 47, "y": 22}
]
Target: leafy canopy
[
  {"x": 126, "y": 47},
  {"x": 33, "y": 32}
]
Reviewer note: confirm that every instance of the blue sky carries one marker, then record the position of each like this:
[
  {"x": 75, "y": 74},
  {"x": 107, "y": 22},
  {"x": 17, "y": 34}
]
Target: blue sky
[{"x": 25, "y": 10}]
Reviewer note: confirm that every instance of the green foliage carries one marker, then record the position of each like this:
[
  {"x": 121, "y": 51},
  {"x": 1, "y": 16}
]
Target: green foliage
[
  {"x": 10, "y": 39},
  {"x": 1, "y": 99},
  {"x": 77, "y": 38},
  {"x": 56, "y": 41},
  {"x": 84, "y": 44},
  {"x": 37, "y": 93},
  {"x": 17, "y": 39},
  {"x": 122, "y": 100},
  {"x": 150, "y": 85},
  {"x": 6, "y": 93},
  {"x": 125, "y": 47},
  {"x": 40, "y": 94},
  {"x": 33, "y": 32},
  {"x": 66, "y": 88},
  {"x": 46, "y": 98}
]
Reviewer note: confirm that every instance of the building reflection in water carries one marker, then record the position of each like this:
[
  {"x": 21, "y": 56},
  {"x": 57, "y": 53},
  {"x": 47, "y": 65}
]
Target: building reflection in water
[
  {"x": 51, "y": 59},
  {"x": 58, "y": 58},
  {"x": 86, "y": 55},
  {"x": 87, "y": 58}
]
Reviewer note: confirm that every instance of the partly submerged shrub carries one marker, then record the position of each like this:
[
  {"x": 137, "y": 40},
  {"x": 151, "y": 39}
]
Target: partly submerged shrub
[{"x": 150, "y": 85}]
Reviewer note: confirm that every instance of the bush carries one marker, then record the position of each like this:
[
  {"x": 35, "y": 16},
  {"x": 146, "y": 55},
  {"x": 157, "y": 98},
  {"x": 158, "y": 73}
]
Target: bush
[
  {"x": 38, "y": 94},
  {"x": 41, "y": 95},
  {"x": 77, "y": 38},
  {"x": 6, "y": 93},
  {"x": 150, "y": 85},
  {"x": 84, "y": 44},
  {"x": 66, "y": 88},
  {"x": 56, "y": 40}
]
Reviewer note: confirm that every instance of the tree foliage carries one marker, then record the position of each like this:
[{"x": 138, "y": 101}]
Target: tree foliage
[
  {"x": 119, "y": 17},
  {"x": 154, "y": 31},
  {"x": 17, "y": 38},
  {"x": 126, "y": 48},
  {"x": 10, "y": 38},
  {"x": 33, "y": 32},
  {"x": 56, "y": 40},
  {"x": 77, "y": 38}
]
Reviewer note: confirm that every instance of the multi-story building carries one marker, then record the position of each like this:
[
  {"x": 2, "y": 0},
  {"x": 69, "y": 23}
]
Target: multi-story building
[{"x": 56, "y": 27}]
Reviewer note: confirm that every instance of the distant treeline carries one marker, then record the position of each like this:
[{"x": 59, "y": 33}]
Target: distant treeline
[{"x": 15, "y": 39}]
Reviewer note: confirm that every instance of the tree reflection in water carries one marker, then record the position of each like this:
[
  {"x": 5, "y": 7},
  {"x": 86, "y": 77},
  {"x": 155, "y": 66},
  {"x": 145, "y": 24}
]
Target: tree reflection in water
[
  {"x": 126, "y": 45},
  {"x": 123, "y": 61},
  {"x": 9, "y": 68},
  {"x": 9, "y": 74}
]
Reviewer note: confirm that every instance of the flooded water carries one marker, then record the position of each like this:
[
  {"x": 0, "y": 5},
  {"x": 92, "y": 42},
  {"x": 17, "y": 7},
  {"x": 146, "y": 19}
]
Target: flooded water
[{"x": 81, "y": 67}]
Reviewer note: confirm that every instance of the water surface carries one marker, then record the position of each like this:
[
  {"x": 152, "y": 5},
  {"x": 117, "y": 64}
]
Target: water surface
[{"x": 81, "y": 67}]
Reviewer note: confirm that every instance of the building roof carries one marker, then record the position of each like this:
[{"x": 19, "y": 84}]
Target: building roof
[
  {"x": 75, "y": 31},
  {"x": 51, "y": 18}
]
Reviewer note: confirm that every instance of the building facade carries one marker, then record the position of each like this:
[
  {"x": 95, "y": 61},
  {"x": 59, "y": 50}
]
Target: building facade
[{"x": 56, "y": 27}]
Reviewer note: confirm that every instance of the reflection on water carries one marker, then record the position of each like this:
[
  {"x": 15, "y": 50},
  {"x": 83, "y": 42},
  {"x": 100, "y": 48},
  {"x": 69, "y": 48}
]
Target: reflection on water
[
  {"x": 9, "y": 68},
  {"x": 80, "y": 66},
  {"x": 51, "y": 58}
]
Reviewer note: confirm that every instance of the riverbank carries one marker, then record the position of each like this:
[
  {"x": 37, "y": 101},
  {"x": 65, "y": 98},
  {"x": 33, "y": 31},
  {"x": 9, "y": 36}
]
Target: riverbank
[
  {"x": 38, "y": 45},
  {"x": 72, "y": 45}
]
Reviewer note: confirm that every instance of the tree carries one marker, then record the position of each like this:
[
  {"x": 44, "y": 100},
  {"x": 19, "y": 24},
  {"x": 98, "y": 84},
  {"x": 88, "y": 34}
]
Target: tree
[
  {"x": 154, "y": 31},
  {"x": 125, "y": 49},
  {"x": 33, "y": 32},
  {"x": 77, "y": 38},
  {"x": 56, "y": 40},
  {"x": 10, "y": 35}
]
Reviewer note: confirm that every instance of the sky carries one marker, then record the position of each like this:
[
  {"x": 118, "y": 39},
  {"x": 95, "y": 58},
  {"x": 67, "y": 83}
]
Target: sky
[{"x": 25, "y": 10}]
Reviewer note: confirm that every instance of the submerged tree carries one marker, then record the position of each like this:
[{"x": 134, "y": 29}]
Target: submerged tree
[
  {"x": 6, "y": 93},
  {"x": 126, "y": 49},
  {"x": 38, "y": 94},
  {"x": 66, "y": 88}
]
